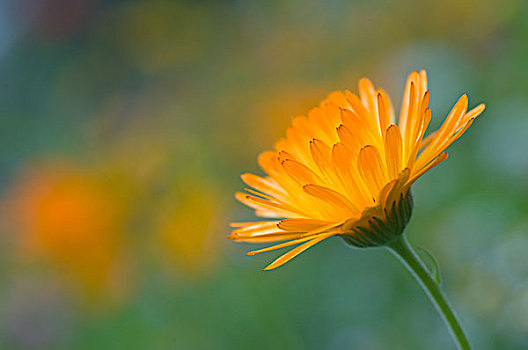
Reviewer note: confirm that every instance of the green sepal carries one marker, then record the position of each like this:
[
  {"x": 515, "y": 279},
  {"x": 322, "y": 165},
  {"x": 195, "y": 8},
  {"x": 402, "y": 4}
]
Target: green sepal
[{"x": 379, "y": 225}]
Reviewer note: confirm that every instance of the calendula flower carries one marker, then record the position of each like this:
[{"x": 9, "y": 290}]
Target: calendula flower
[
  {"x": 347, "y": 168},
  {"x": 68, "y": 218}
]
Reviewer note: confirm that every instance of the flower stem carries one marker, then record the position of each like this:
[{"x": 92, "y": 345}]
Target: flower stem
[{"x": 406, "y": 254}]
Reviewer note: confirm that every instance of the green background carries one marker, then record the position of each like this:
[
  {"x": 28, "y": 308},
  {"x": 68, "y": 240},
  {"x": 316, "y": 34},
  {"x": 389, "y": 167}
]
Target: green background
[{"x": 199, "y": 88}]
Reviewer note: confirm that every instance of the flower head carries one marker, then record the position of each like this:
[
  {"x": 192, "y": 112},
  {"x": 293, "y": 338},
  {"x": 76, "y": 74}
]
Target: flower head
[
  {"x": 346, "y": 169},
  {"x": 68, "y": 218}
]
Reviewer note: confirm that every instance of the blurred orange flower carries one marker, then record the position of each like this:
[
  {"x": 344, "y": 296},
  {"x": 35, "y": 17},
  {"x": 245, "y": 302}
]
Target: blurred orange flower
[
  {"x": 70, "y": 219},
  {"x": 189, "y": 229}
]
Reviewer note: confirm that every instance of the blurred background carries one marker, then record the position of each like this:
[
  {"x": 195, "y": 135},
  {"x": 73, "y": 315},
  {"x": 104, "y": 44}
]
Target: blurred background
[{"x": 124, "y": 127}]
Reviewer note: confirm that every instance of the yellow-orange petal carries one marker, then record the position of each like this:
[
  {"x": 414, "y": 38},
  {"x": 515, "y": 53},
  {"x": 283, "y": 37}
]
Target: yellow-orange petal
[
  {"x": 300, "y": 172},
  {"x": 268, "y": 162},
  {"x": 456, "y": 113},
  {"x": 357, "y": 129},
  {"x": 389, "y": 110},
  {"x": 258, "y": 228},
  {"x": 322, "y": 156},
  {"x": 301, "y": 225},
  {"x": 346, "y": 166},
  {"x": 296, "y": 251},
  {"x": 368, "y": 96},
  {"x": 264, "y": 185},
  {"x": 268, "y": 208},
  {"x": 384, "y": 118},
  {"x": 269, "y": 238},
  {"x": 443, "y": 156},
  {"x": 340, "y": 202},
  {"x": 406, "y": 101},
  {"x": 475, "y": 112},
  {"x": 354, "y": 141},
  {"x": 393, "y": 151},
  {"x": 372, "y": 169}
]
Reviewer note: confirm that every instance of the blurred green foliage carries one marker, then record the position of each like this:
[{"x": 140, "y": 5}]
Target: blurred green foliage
[{"x": 162, "y": 104}]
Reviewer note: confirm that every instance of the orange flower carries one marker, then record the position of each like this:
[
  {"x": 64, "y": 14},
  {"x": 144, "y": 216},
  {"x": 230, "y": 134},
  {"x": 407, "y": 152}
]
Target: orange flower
[
  {"x": 347, "y": 168},
  {"x": 190, "y": 244},
  {"x": 69, "y": 219}
]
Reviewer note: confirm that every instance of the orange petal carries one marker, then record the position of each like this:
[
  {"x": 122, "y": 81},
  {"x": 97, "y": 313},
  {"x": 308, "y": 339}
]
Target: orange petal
[
  {"x": 389, "y": 110},
  {"x": 372, "y": 169},
  {"x": 422, "y": 82},
  {"x": 258, "y": 228},
  {"x": 358, "y": 129},
  {"x": 301, "y": 225},
  {"x": 384, "y": 118},
  {"x": 435, "y": 162},
  {"x": 244, "y": 224},
  {"x": 321, "y": 154},
  {"x": 273, "y": 209},
  {"x": 393, "y": 151},
  {"x": 265, "y": 185},
  {"x": 406, "y": 101},
  {"x": 267, "y": 161},
  {"x": 452, "y": 118},
  {"x": 475, "y": 112},
  {"x": 448, "y": 128},
  {"x": 354, "y": 141},
  {"x": 294, "y": 252},
  {"x": 417, "y": 137},
  {"x": 407, "y": 129},
  {"x": 300, "y": 172},
  {"x": 331, "y": 197},
  {"x": 368, "y": 96},
  {"x": 280, "y": 245},
  {"x": 269, "y": 238},
  {"x": 426, "y": 141},
  {"x": 368, "y": 122},
  {"x": 346, "y": 166}
]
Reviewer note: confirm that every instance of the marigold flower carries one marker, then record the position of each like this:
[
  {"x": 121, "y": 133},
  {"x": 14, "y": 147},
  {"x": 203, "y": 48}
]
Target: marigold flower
[
  {"x": 66, "y": 217},
  {"x": 346, "y": 169}
]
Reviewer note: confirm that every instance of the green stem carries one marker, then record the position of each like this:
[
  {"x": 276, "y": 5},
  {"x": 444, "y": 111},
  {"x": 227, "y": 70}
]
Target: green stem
[{"x": 406, "y": 254}]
